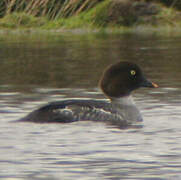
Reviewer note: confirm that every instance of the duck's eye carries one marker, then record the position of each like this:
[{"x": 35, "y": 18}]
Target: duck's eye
[{"x": 133, "y": 72}]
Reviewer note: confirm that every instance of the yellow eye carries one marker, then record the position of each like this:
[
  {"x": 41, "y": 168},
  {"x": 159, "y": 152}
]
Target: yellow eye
[{"x": 133, "y": 72}]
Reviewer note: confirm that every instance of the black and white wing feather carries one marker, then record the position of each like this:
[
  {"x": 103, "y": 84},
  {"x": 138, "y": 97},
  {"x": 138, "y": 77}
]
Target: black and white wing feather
[{"x": 74, "y": 110}]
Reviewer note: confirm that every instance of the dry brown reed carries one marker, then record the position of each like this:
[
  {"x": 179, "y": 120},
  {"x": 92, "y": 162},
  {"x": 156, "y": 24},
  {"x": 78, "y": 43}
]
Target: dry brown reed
[{"x": 50, "y": 8}]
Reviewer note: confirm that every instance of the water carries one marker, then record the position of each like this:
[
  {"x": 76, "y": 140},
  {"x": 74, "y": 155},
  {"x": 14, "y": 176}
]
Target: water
[{"x": 35, "y": 70}]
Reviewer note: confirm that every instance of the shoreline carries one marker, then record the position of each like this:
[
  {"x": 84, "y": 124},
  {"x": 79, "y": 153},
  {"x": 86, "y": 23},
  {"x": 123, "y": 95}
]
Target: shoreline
[
  {"x": 141, "y": 29},
  {"x": 115, "y": 16}
]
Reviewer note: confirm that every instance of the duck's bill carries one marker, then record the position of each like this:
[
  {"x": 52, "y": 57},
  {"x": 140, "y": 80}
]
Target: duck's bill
[
  {"x": 147, "y": 83},
  {"x": 154, "y": 85}
]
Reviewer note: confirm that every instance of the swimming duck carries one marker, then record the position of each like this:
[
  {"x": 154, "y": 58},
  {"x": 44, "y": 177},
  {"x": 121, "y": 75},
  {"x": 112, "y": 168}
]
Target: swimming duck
[{"x": 117, "y": 83}]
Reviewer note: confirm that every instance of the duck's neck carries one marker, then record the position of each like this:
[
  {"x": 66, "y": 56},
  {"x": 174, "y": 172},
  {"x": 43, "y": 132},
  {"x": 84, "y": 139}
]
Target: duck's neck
[{"x": 126, "y": 100}]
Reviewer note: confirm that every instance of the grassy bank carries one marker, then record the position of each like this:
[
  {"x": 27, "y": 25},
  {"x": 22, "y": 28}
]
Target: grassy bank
[{"x": 93, "y": 14}]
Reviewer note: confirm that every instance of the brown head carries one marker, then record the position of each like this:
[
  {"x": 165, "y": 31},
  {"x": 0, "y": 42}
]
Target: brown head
[{"x": 122, "y": 78}]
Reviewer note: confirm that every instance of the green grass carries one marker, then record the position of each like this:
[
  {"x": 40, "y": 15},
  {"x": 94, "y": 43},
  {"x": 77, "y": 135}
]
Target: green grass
[
  {"x": 93, "y": 18},
  {"x": 17, "y": 20},
  {"x": 168, "y": 16}
]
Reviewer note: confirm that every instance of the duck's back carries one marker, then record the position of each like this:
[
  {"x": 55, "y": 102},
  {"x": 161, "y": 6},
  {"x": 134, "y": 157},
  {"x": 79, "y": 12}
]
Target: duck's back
[{"x": 67, "y": 111}]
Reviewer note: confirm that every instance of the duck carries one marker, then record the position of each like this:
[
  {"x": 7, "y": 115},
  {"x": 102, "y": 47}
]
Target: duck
[{"x": 117, "y": 83}]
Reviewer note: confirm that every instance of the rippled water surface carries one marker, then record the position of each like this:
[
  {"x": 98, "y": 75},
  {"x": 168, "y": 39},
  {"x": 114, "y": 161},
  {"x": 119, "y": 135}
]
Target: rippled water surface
[{"x": 36, "y": 69}]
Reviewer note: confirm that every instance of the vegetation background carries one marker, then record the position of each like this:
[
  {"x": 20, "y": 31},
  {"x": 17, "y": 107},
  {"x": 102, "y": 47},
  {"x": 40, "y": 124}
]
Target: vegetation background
[{"x": 55, "y": 14}]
